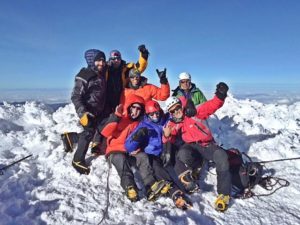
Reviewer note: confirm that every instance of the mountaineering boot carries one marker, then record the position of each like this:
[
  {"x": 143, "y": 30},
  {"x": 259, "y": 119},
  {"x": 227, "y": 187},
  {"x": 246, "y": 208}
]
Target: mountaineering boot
[
  {"x": 69, "y": 140},
  {"x": 181, "y": 201},
  {"x": 222, "y": 202},
  {"x": 196, "y": 173},
  {"x": 166, "y": 188},
  {"x": 96, "y": 149},
  {"x": 157, "y": 189},
  {"x": 81, "y": 167},
  {"x": 189, "y": 182},
  {"x": 132, "y": 193}
]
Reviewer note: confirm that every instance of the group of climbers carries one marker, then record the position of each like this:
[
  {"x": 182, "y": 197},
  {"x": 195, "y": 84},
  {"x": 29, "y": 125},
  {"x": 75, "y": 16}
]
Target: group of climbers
[{"x": 118, "y": 108}]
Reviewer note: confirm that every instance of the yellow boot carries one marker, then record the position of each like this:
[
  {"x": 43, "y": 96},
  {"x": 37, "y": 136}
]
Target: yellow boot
[
  {"x": 222, "y": 202},
  {"x": 157, "y": 189},
  {"x": 132, "y": 194}
]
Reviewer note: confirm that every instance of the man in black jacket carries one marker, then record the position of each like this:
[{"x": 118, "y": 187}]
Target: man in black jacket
[{"x": 88, "y": 97}]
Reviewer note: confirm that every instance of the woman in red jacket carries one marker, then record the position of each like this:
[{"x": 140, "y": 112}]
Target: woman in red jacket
[{"x": 199, "y": 143}]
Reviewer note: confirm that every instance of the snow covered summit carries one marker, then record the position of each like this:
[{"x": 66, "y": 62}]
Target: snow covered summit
[{"x": 45, "y": 189}]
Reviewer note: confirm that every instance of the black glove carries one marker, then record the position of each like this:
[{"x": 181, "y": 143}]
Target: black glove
[
  {"x": 190, "y": 109},
  {"x": 144, "y": 51},
  {"x": 166, "y": 154},
  {"x": 162, "y": 76},
  {"x": 221, "y": 91},
  {"x": 140, "y": 134}
]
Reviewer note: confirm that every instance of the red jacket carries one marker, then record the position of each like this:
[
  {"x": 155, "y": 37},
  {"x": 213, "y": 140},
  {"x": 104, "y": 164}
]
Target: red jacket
[
  {"x": 117, "y": 129},
  {"x": 194, "y": 129}
]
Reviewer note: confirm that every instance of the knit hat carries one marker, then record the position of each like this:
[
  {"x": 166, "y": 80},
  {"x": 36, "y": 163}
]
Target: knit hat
[
  {"x": 115, "y": 54},
  {"x": 100, "y": 56}
]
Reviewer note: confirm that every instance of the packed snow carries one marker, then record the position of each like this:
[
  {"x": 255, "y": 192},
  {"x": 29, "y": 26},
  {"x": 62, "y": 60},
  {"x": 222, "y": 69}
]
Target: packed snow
[{"x": 45, "y": 189}]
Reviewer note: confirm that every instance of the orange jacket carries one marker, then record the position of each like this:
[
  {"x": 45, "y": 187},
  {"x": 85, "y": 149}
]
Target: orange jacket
[
  {"x": 147, "y": 92},
  {"x": 118, "y": 129}
]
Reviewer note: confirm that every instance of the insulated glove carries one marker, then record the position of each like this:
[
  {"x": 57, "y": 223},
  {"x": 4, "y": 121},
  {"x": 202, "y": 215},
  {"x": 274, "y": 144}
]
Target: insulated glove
[
  {"x": 144, "y": 51},
  {"x": 140, "y": 134},
  {"x": 86, "y": 119},
  {"x": 190, "y": 109},
  {"x": 221, "y": 90},
  {"x": 162, "y": 76},
  {"x": 166, "y": 154}
]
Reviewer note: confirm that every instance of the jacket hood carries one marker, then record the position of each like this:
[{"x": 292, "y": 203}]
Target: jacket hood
[{"x": 131, "y": 99}]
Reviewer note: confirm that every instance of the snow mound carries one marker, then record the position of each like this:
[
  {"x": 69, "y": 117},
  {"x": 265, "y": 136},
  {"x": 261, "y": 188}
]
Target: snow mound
[{"x": 45, "y": 189}]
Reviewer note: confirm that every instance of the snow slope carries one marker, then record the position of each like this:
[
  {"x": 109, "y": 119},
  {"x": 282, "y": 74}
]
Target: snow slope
[{"x": 45, "y": 189}]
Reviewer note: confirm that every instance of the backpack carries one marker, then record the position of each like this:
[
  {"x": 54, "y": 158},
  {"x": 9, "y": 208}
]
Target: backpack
[{"x": 245, "y": 174}]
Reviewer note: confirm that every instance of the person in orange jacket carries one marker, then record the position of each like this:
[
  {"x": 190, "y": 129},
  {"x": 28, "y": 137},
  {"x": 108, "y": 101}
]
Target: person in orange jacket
[
  {"x": 138, "y": 85},
  {"x": 116, "y": 129}
]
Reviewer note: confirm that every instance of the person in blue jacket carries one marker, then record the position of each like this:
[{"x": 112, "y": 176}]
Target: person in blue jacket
[{"x": 145, "y": 145}]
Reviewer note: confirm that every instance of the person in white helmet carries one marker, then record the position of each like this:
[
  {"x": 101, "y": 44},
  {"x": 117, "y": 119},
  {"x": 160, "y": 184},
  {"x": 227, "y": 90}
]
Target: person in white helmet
[
  {"x": 199, "y": 143},
  {"x": 188, "y": 90}
]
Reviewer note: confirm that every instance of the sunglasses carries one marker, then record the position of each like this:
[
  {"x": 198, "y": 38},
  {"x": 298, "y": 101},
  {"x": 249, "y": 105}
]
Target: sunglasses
[
  {"x": 136, "y": 107},
  {"x": 178, "y": 107},
  {"x": 115, "y": 58},
  {"x": 185, "y": 81},
  {"x": 154, "y": 113}
]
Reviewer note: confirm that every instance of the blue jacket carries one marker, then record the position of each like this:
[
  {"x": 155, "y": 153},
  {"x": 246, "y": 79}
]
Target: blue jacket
[{"x": 151, "y": 144}]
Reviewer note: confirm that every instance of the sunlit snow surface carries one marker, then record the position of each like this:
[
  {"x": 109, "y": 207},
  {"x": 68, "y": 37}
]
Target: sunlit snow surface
[{"x": 45, "y": 189}]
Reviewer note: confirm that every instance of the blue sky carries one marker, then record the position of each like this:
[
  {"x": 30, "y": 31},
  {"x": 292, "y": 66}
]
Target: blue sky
[{"x": 239, "y": 42}]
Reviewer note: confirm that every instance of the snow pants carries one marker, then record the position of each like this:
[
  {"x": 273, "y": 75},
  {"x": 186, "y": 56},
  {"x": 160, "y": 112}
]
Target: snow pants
[
  {"x": 189, "y": 158},
  {"x": 121, "y": 163},
  {"x": 151, "y": 170},
  {"x": 85, "y": 137}
]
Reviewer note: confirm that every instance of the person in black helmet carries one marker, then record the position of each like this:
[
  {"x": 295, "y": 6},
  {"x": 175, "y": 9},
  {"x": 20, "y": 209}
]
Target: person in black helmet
[{"x": 88, "y": 97}]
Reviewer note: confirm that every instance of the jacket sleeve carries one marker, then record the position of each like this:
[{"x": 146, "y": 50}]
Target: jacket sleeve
[
  {"x": 210, "y": 107},
  {"x": 161, "y": 93},
  {"x": 141, "y": 65},
  {"x": 200, "y": 98},
  {"x": 132, "y": 145},
  {"x": 77, "y": 97},
  {"x": 110, "y": 125}
]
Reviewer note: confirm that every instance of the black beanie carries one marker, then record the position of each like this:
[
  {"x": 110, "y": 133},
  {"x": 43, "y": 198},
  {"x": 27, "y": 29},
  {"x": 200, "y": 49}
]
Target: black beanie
[{"x": 100, "y": 56}]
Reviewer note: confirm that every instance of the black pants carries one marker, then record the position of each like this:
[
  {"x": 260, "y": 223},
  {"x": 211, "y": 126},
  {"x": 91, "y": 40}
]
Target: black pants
[
  {"x": 122, "y": 165},
  {"x": 85, "y": 138},
  {"x": 151, "y": 170},
  {"x": 189, "y": 158}
]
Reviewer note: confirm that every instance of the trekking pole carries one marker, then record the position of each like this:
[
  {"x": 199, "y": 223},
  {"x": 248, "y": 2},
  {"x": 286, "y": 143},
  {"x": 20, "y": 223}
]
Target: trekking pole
[
  {"x": 6, "y": 167},
  {"x": 278, "y": 160}
]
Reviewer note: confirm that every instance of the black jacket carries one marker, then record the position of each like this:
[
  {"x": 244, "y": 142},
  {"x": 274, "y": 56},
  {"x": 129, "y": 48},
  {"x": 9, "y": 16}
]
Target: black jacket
[{"x": 89, "y": 92}]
